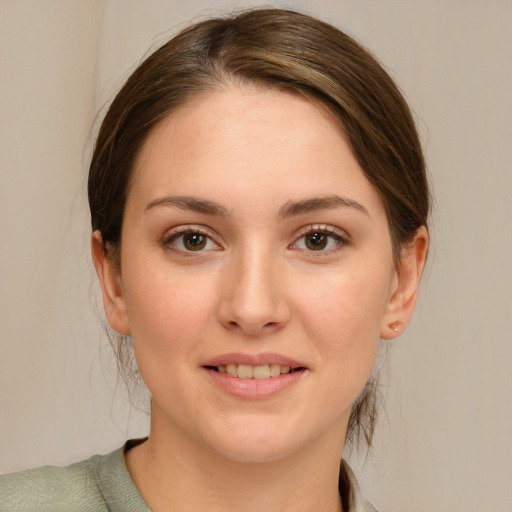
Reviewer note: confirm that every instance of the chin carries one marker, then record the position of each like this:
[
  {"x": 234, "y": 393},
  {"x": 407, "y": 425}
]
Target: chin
[{"x": 258, "y": 441}]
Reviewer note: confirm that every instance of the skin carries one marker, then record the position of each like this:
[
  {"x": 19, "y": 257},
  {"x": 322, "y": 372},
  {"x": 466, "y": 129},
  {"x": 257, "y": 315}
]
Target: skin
[{"x": 256, "y": 287}]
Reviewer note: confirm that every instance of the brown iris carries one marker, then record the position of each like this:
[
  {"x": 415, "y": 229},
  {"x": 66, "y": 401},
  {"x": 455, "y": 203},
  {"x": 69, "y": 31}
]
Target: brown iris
[
  {"x": 194, "y": 241},
  {"x": 316, "y": 241}
]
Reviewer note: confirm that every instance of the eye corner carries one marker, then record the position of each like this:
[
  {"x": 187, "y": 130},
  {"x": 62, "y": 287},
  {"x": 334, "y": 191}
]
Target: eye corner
[
  {"x": 323, "y": 240},
  {"x": 200, "y": 241}
]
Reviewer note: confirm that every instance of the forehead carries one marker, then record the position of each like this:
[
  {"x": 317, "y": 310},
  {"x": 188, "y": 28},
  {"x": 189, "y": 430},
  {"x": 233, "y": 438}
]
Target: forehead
[
  {"x": 271, "y": 141},
  {"x": 239, "y": 111}
]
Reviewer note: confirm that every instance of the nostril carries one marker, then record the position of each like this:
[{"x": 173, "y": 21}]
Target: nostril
[{"x": 252, "y": 328}]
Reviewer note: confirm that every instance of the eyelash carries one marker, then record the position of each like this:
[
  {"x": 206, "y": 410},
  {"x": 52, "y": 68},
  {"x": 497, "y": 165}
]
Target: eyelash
[
  {"x": 171, "y": 238},
  {"x": 321, "y": 229}
]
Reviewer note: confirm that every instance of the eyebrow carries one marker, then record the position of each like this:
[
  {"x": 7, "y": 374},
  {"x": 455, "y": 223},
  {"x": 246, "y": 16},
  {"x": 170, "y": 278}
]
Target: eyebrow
[
  {"x": 189, "y": 204},
  {"x": 319, "y": 203},
  {"x": 289, "y": 209}
]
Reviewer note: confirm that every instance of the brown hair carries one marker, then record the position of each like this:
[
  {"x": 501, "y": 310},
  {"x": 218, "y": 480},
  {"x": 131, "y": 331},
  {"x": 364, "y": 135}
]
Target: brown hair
[{"x": 279, "y": 49}]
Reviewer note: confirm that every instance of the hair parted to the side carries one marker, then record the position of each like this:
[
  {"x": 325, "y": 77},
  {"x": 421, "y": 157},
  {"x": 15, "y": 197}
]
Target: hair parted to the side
[{"x": 271, "y": 48}]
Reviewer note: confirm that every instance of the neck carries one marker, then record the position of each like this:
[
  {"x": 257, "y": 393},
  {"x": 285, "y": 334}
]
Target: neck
[{"x": 175, "y": 473}]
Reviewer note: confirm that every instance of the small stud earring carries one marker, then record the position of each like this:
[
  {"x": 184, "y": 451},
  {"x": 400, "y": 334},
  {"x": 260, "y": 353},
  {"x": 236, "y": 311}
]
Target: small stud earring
[{"x": 395, "y": 325}]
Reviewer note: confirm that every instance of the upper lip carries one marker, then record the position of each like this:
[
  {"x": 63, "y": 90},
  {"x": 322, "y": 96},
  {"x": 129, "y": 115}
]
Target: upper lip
[{"x": 254, "y": 360}]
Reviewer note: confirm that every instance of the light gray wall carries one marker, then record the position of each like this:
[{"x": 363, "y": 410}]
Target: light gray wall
[{"x": 444, "y": 443}]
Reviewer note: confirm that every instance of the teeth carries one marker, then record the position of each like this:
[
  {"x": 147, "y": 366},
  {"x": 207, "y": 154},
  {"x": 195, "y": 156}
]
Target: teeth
[
  {"x": 231, "y": 369},
  {"x": 275, "y": 370},
  {"x": 246, "y": 371},
  {"x": 261, "y": 372}
]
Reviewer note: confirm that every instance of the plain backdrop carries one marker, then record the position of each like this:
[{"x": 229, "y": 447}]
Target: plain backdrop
[{"x": 444, "y": 441}]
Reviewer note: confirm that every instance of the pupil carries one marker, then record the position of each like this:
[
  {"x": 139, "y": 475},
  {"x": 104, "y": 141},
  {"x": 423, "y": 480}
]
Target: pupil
[
  {"x": 194, "y": 241},
  {"x": 316, "y": 241}
]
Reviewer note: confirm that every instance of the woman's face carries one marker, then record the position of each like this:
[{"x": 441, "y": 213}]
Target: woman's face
[{"x": 253, "y": 242}]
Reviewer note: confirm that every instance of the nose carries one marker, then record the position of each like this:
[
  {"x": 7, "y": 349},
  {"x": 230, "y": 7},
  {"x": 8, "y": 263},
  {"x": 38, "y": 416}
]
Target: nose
[{"x": 253, "y": 299}]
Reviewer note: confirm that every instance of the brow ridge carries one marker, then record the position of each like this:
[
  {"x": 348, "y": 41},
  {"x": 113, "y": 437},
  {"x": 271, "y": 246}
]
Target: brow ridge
[
  {"x": 189, "y": 204},
  {"x": 292, "y": 208}
]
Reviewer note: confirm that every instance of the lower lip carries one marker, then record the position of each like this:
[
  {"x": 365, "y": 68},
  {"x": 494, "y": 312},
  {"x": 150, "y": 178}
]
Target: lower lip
[{"x": 254, "y": 389}]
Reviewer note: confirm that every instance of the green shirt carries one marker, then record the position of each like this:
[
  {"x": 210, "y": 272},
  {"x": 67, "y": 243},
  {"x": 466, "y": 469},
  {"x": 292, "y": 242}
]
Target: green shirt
[{"x": 102, "y": 483}]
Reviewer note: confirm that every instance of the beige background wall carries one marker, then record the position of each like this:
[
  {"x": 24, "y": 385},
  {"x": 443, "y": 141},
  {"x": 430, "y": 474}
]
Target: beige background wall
[{"x": 445, "y": 441}]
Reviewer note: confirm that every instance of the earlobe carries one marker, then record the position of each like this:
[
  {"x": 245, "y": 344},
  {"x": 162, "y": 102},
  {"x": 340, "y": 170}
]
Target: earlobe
[
  {"x": 111, "y": 286},
  {"x": 401, "y": 304}
]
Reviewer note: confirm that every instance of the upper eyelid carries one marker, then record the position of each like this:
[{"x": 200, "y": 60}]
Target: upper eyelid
[
  {"x": 327, "y": 229},
  {"x": 174, "y": 233},
  {"x": 188, "y": 228},
  {"x": 322, "y": 228}
]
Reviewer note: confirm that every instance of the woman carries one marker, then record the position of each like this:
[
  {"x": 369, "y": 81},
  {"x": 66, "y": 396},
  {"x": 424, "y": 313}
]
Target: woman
[{"x": 259, "y": 209}]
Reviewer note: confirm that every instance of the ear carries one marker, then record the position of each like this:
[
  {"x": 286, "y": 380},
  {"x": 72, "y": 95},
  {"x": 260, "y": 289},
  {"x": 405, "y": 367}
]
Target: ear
[
  {"x": 403, "y": 297},
  {"x": 111, "y": 286}
]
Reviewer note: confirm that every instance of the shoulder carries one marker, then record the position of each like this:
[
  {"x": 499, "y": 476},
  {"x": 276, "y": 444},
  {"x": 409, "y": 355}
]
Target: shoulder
[
  {"x": 52, "y": 488},
  {"x": 97, "y": 484}
]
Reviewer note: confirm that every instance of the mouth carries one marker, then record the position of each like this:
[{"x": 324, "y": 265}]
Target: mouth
[
  {"x": 254, "y": 376},
  {"x": 259, "y": 372}
]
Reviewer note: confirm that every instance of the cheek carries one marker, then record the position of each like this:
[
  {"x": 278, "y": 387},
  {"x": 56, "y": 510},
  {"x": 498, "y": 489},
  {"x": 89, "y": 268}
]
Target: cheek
[
  {"x": 343, "y": 314},
  {"x": 353, "y": 303},
  {"x": 167, "y": 311}
]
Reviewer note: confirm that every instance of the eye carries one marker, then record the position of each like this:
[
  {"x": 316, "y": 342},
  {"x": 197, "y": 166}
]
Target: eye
[
  {"x": 319, "y": 239},
  {"x": 190, "y": 240}
]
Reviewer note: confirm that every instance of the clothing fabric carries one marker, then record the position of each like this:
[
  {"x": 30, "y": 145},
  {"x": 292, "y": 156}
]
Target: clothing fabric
[{"x": 103, "y": 484}]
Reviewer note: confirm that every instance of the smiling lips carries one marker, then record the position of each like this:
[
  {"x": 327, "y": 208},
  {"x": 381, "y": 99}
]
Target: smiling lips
[
  {"x": 254, "y": 376},
  {"x": 247, "y": 371}
]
